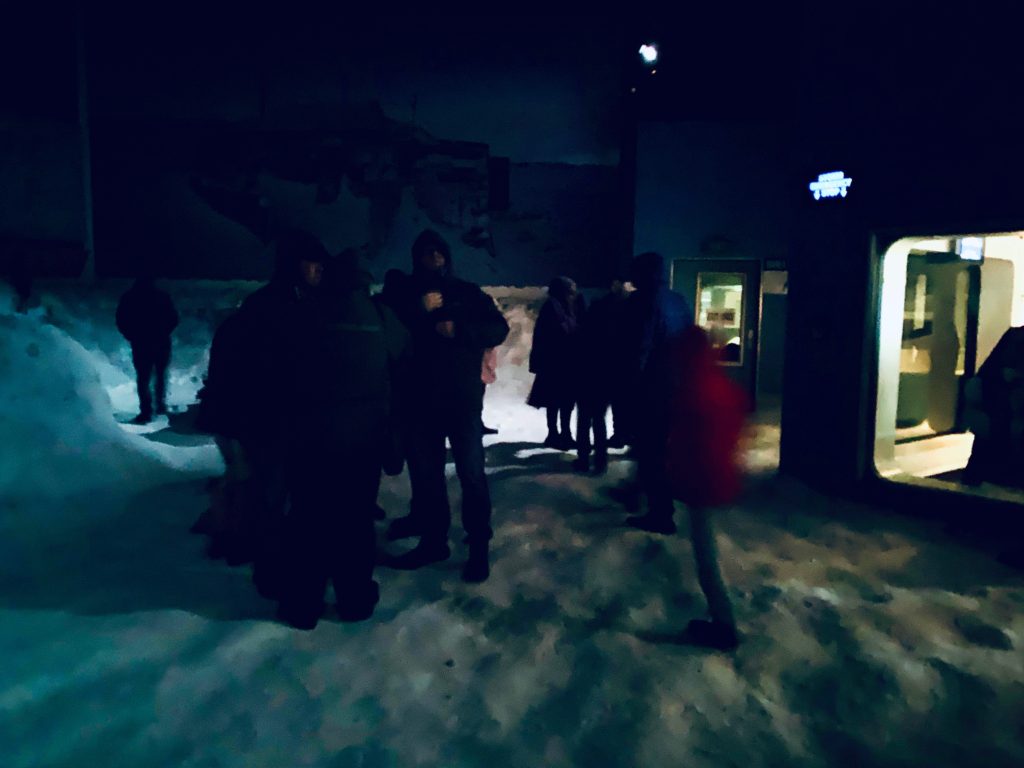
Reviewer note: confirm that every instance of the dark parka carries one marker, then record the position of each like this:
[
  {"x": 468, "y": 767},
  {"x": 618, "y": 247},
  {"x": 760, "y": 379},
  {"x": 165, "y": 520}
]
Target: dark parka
[
  {"x": 555, "y": 354},
  {"x": 446, "y": 368},
  {"x": 146, "y": 316}
]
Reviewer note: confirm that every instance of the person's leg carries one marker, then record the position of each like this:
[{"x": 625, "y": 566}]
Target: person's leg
[
  {"x": 651, "y": 446},
  {"x": 565, "y": 416},
  {"x": 468, "y": 453},
  {"x": 355, "y": 544},
  {"x": 705, "y": 552},
  {"x": 584, "y": 417},
  {"x": 597, "y": 420},
  {"x": 305, "y": 551},
  {"x": 142, "y": 359},
  {"x": 552, "y": 415},
  {"x": 432, "y": 513},
  {"x": 162, "y": 360}
]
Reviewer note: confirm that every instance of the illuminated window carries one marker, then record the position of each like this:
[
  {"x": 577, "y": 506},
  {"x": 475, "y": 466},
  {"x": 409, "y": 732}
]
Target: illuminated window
[{"x": 720, "y": 312}]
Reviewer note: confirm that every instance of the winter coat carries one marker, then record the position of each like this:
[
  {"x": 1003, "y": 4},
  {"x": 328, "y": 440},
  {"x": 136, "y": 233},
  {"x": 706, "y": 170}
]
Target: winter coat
[
  {"x": 602, "y": 350},
  {"x": 341, "y": 367},
  {"x": 655, "y": 317},
  {"x": 447, "y": 368},
  {"x": 146, "y": 315},
  {"x": 222, "y": 400},
  {"x": 706, "y": 416},
  {"x": 555, "y": 353}
]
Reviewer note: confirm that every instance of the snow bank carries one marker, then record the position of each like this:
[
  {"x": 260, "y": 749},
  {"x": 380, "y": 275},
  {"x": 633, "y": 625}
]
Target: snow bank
[{"x": 60, "y": 435}]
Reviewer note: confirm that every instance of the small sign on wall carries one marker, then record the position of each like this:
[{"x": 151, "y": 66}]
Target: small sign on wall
[{"x": 831, "y": 184}]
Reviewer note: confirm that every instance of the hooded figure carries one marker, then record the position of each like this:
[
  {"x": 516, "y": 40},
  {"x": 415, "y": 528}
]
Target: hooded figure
[
  {"x": 338, "y": 403},
  {"x": 146, "y": 317},
  {"x": 554, "y": 358},
  {"x": 451, "y": 323},
  {"x": 246, "y": 397},
  {"x": 655, "y": 317}
]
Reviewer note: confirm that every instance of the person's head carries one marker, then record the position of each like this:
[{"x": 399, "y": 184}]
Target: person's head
[
  {"x": 621, "y": 286},
  {"x": 647, "y": 271},
  {"x": 563, "y": 289},
  {"x": 300, "y": 259},
  {"x": 431, "y": 255}
]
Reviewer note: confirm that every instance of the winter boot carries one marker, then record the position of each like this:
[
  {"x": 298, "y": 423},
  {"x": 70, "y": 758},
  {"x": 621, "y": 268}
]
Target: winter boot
[
  {"x": 424, "y": 553},
  {"x": 359, "y": 606},
  {"x": 404, "y": 528},
  {"x": 142, "y": 418},
  {"x": 628, "y": 495},
  {"x": 477, "y": 567},
  {"x": 581, "y": 464},
  {"x": 489, "y": 430},
  {"x": 712, "y": 634},
  {"x": 552, "y": 441},
  {"x": 600, "y": 464}
]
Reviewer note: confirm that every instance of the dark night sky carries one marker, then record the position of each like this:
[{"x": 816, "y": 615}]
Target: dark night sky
[{"x": 535, "y": 87}]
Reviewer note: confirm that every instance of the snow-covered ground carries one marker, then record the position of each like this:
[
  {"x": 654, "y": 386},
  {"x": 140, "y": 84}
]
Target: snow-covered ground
[{"x": 869, "y": 640}]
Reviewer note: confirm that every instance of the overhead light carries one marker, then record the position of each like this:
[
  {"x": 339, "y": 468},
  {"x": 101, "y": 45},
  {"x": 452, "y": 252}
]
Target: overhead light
[{"x": 649, "y": 53}]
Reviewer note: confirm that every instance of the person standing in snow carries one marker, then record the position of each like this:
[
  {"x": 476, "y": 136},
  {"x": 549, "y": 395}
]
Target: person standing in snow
[
  {"x": 451, "y": 322},
  {"x": 245, "y": 397},
  {"x": 615, "y": 304},
  {"x": 599, "y": 373},
  {"x": 146, "y": 317},
  {"x": 656, "y": 316},
  {"x": 554, "y": 357},
  {"x": 705, "y": 422},
  {"x": 339, "y": 398}
]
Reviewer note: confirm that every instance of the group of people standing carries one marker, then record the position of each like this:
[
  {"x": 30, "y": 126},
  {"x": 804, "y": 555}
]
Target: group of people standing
[
  {"x": 311, "y": 395},
  {"x": 637, "y": 350},
  {"x": 315, "y": 388}
]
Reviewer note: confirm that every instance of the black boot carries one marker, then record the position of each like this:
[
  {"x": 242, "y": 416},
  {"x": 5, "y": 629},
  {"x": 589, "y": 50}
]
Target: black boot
[
  {"x": 600, "y": 464},
  {"x": 712, "y": 634},
  {"x": 477, "y": 567},
  {"x": 424, "y": 553},
  {"x": 359, "y": 606},
  {"x": 582, "y": 464},
  {"x": 404, "y": 528},
  {"x": 489, "y": 430}
]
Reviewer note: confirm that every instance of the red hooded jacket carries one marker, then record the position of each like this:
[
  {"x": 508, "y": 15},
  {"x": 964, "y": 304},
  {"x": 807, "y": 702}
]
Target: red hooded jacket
[{"x": 706, "y": 418}]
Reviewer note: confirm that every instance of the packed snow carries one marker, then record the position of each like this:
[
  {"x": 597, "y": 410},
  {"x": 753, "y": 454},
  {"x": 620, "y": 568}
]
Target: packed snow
[{"x": 868, "y": 639}]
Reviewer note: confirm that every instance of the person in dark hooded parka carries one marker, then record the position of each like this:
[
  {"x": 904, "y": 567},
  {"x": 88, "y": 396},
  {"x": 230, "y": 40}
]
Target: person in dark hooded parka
[
  {"x": 451, "y": 322},
  {"x": 554, "y": 358},
  {"x": 243, "y": 401},
  {"x": 146, "y": 317},
  {"x": 339, "y": 401},
  {"x": 655, "y": 318}
]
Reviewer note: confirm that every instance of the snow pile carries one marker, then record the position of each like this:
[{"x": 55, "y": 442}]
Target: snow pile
[
  {"x": 125, "y": 647},
  {"x": 60, "y": 436}
]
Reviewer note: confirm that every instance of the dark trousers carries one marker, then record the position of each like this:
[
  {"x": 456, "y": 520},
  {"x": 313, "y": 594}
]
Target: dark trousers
[
  {"x": 705, "y": 552},
  {"x": 651, "y": 444},
  {"x": 591, "y": 415},
  {"x": 459, "y": 421},
  {"x": 329, "y": 532},
  {"x": 560, "y": 414},
  {"x": 150, "y": 359},
  {"x": 622, "y": 418}
]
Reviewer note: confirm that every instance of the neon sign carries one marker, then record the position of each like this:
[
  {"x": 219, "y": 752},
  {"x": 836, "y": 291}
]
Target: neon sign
[{"x": 832, "y": 184}]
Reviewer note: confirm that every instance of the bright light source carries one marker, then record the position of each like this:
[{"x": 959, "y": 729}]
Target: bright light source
[{"x": 649, "y": 53}]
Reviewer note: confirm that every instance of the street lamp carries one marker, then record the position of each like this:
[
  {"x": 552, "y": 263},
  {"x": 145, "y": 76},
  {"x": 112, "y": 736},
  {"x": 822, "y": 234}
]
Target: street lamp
[{"x": 649, "y": 54}]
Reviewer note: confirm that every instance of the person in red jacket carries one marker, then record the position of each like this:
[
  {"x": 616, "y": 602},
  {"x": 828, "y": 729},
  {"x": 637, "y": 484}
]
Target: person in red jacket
[{"x": 706, "y": 422}]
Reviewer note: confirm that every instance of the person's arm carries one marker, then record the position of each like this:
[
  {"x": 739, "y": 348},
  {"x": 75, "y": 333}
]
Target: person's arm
[{"x": 478, "y": 322}]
